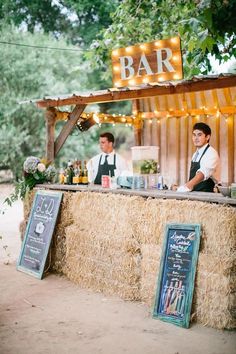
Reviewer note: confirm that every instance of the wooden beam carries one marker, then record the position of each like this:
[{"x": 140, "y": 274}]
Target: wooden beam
[
  {"x": 50, "y": 117},
  {"x": 73, "y": 118},
  {"x": 130, "y": 94}
]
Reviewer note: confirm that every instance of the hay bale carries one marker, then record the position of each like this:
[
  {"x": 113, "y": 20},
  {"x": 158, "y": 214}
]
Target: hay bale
[
  {"x": 108, "y": 265},
  {"x": 112, "y": 243},
  {"x": 150, "y": 264},
  {"x": 58, "y": 246}
]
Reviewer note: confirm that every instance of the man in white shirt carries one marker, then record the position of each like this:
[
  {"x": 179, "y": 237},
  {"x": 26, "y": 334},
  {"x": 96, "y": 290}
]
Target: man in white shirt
[
  {"x": 205, "y": 164},
  {"x": 106, "y": 163}
]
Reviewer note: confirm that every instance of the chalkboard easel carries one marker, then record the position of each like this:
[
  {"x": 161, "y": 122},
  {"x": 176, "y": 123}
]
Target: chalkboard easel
[
  {"x": 39, "y": 231},
  {"x": 177, "y": 273}
]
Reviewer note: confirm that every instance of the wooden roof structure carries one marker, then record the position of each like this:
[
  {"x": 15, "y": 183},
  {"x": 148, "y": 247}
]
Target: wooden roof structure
[{"x": 172, "y": 107}]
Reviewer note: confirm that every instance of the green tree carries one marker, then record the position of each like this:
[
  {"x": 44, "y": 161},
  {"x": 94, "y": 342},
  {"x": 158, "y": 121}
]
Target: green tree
[
  {"x": 27, "y": 73},
  {"x": 205, "y": 27}
]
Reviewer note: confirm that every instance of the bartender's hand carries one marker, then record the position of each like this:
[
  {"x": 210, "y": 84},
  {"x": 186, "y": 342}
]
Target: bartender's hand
[{"x": 183, "y": 189}]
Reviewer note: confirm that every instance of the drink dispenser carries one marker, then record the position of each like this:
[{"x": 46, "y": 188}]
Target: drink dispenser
[{"x": 145, "y": 159}]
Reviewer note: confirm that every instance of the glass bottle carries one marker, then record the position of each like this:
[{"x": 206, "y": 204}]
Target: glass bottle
[
  {"x": 69, "y": 173},
  {"x": 85, "y": 174}
]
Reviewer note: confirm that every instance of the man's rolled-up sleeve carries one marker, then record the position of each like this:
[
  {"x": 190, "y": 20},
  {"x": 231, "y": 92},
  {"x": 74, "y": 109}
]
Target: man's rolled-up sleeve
[{"x": 208, "y": 165}]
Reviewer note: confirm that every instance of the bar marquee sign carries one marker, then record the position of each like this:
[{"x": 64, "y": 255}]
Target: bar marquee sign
[{"x": 147, "y": 63}]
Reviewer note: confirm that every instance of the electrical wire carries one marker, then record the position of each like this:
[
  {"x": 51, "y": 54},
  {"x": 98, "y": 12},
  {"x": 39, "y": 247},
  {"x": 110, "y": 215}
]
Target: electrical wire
[{"x": 42, "y": 47}]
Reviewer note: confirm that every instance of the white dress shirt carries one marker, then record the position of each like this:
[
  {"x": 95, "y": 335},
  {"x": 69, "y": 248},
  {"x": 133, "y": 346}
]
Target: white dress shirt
[
  {"x": 93, "y": 163},
  {"x": 209, "y": 164}
]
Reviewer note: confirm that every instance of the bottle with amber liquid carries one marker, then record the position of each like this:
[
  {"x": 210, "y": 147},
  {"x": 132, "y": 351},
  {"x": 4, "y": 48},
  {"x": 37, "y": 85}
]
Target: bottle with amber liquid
[
  {"x": 85, "y": 175},
  {"x": 80, "y": 172}
]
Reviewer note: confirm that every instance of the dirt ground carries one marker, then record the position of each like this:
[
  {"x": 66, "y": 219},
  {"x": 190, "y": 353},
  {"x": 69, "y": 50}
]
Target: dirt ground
[{"x": 54, "y": 315}]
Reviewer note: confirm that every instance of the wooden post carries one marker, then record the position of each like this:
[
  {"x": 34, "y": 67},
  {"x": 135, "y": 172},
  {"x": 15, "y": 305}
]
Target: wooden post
[
  {"x": 50, "y": 117},
  {"x": 137, "y": 123},
  {"x": 73, "y": 118}
]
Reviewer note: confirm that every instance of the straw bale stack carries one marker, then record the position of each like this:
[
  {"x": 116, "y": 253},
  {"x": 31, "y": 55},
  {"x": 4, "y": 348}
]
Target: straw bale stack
[
  {"x": 28, "y": 201},
  {"x": 150, "y": 264},
  {"x": 58, "y": 247},
  {"x": 112, "y": 243},
  {"x": 111, "y": 266}
]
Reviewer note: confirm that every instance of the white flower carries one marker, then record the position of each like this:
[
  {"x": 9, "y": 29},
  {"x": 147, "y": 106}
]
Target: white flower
[
  {"x": 30, "y": 164},
  {"x": 41, "y": 167}
]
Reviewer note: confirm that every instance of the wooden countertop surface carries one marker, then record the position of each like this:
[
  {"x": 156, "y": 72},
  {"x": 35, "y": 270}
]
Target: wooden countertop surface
[{"x": 153, "y": 193}]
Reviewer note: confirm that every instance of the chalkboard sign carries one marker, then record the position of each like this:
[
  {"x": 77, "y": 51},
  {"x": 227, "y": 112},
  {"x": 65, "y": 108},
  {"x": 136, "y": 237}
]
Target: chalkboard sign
[
  {"x": 39, "y": 233},
  {"x": 177, "y": 272}
]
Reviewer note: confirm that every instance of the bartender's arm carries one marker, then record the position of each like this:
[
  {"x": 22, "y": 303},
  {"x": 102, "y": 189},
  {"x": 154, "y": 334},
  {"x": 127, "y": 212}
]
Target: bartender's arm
[
  {"x": 188, "y": 187},
  {"x": 199, "y": 177}
]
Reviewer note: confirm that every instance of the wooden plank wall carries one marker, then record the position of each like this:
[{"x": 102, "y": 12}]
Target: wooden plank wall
[{"x": 174, "y": 134}]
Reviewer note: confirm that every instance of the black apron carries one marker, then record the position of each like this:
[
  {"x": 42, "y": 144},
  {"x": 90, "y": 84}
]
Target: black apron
[
  {"x": 204, "y": 186},
  {"x": 105, "y": 169}
]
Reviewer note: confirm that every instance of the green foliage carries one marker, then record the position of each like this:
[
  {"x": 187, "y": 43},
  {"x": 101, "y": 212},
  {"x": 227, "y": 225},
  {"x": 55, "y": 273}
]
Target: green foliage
[
  {"x": 28, "y": 74},
  {"x": 200, "y": 24}
]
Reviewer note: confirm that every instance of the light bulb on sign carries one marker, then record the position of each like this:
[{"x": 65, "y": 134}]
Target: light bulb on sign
[
  {"x": 115, "y": 53},
  {"x": 129, "y": 49},
  {"x": 143, "y": 47},
  {"x": 132, "y": 82},
  {"x": 146, "y": 80},
  {"x": 116, "y": 68},
  {"x": 174, "y": 40}
]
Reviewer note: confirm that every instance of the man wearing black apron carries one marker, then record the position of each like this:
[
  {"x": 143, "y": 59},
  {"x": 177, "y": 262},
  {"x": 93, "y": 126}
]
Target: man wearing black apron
[
  {"x": 108, "y": 163},
  {"x": 204, "y": 170}
]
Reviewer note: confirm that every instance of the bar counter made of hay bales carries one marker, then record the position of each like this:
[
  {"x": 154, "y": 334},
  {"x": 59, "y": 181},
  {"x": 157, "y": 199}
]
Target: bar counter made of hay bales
[{"x": 111, "y": 241}]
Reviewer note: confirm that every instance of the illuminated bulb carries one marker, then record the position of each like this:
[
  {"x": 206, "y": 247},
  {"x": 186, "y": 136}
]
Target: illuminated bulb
[
  {"x": 116, "y": 68},
  {"x": 117, "y": 84},
  {"x": 161, "y": 78},
  {"x": 113, "y": 115},
  {"x": 115, "y": 52},
  {"x": 105, "y": 117},
  {"x": 218, "y": 114},
  {"x": 134, "y": 112},
  {"x": 131, "y": 82},
  {"x": 113, "y": 124},
  {"x": 226, "y": 120},
  {"x": 158, "y": 121},
  {"x": 150, "y": 121},
  {"x": 129, "y": 49},
  {"x": 156, "y": 112},
  {"x": 145, "y": 80},
  {"x": 175, "y": 57},
  {"x": 130, "y": 124},
  {"x": 157, "y": 44},
  {"x": 143, "y": 47},
  {"x": 174, "y": 40},
  {"x": 176, "y": 76}
]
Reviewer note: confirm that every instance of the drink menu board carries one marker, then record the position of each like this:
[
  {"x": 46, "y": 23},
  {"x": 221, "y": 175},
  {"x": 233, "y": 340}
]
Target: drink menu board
[
  {"x": 177, "y": 273},
  {"x": 39, "y": 232}
]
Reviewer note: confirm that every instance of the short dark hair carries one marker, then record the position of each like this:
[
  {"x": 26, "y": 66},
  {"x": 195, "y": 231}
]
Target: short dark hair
[
  {"x": 203, "y": 127},
  {"x": 109, "y": 136}
]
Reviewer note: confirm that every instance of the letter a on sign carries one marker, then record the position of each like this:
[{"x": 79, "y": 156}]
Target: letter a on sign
[{"x": 156, "y": 61}]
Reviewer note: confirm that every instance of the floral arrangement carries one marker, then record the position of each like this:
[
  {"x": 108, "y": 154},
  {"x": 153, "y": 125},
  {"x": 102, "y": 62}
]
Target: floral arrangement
[{"x": 35, "y": 171}]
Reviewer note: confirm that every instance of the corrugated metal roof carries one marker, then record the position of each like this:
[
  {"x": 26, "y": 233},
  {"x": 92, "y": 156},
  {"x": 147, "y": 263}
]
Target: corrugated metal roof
[{"x": 197, "y": 83}]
